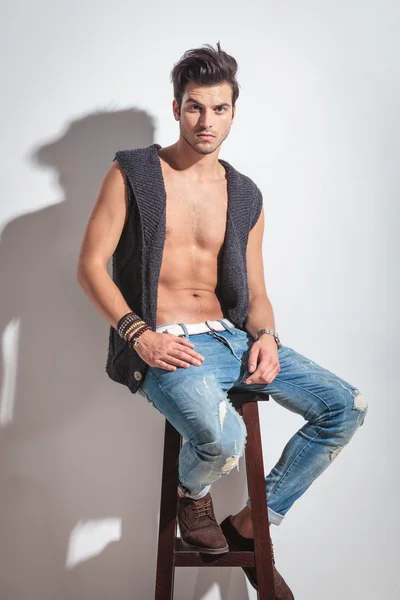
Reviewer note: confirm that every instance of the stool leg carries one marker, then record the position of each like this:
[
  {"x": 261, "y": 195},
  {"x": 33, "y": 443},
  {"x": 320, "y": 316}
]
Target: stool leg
[
  {"x": 257, "y": 493},
  {"x": 168, "y": 510}
]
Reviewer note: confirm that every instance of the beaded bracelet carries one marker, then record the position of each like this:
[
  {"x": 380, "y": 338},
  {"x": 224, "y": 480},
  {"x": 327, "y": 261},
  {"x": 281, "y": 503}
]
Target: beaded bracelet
[
  {"x": 127, "y": 323},
  {"x": 134, "y": 328},
  {"x": 127, "y": 317},
  {"x": 135, "y": 338}
]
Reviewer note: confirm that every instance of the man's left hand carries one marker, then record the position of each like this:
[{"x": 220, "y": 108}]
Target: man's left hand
[{"x": 264, "y": 350}]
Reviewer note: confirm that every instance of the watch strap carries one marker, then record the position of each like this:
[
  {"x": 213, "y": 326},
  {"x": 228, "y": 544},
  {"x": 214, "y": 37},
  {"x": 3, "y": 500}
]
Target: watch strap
[{"x": 270, "y": 331}]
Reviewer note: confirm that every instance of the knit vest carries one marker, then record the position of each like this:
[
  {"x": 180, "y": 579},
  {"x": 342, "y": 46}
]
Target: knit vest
[{"x": 137, "y": 259}]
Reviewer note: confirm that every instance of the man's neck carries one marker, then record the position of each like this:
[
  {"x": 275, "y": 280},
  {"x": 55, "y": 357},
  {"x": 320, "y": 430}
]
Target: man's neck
[{"x": 195, "y": 166}]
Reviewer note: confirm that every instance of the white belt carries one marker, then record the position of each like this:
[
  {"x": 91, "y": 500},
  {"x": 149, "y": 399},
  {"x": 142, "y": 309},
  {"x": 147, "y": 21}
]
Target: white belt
[{"x": 193, "y": 328}]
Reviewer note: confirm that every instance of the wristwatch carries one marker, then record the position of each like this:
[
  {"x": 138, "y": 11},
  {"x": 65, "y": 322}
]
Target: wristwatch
[{"x": 272, "y": 332}]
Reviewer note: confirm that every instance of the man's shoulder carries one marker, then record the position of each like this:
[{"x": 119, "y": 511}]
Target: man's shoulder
[
  {"x": 138, "y": 163},
  {"x": 135, "y": 153}
]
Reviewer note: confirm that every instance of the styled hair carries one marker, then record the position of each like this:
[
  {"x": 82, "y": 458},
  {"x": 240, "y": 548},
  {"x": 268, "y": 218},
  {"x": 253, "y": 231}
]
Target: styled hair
[{"x": 204, "y": 66}]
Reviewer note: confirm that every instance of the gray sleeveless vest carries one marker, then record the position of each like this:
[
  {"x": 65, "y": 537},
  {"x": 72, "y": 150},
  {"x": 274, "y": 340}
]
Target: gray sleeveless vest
[{"x": 137, "y": 259}]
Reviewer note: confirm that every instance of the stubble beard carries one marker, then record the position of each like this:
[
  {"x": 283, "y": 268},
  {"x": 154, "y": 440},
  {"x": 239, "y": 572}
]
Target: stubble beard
[{"x": 202, "y": 147}]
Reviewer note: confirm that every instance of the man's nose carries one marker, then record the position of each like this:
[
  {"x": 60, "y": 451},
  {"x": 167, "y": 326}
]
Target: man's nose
[{"x": 206, "y": 119}]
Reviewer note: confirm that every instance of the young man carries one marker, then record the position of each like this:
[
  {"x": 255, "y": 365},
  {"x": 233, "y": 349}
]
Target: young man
[{"x": 189, "y": 313}]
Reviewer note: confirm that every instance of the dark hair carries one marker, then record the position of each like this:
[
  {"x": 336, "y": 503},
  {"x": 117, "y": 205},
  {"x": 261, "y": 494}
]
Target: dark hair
[{"x": 205, "y": 66}]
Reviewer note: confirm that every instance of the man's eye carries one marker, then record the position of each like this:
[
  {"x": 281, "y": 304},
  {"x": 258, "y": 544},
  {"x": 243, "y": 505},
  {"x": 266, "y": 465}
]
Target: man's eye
[{"x": 219, "y": 108}]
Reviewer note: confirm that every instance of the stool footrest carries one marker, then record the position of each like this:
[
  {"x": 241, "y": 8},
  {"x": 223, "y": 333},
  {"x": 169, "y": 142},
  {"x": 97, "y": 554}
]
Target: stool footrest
[{"x": 189, "y": 558}]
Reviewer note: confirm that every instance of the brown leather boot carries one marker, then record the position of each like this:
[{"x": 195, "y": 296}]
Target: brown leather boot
[
  {"x": 238, "y": 542},
  {"x": 198, "y": 526}
]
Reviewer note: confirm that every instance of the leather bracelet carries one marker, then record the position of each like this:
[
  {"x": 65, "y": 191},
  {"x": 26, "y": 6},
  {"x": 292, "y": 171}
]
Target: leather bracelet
[
  {"x": 127, "y": 323},
  {"x": 134, "y": 329}
]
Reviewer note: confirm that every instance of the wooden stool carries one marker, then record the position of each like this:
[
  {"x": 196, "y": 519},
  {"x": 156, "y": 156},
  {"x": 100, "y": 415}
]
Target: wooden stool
[{"x": 171, "y": 552}]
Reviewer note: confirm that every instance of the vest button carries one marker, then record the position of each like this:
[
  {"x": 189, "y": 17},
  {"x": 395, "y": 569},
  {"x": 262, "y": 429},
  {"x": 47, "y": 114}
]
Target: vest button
[{"x": 137, "y": 375}]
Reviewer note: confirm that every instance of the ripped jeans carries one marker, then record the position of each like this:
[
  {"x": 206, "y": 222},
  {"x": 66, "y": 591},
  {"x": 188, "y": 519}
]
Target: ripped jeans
[{"x": 194, "y": 400}]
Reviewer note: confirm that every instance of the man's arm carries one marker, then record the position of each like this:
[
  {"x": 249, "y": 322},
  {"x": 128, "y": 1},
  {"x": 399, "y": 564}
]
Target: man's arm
[
  {"x": 101, "y": 237},
  {"x": 263, "y": 362},
  {"x": 102, "y": 234},
  {"x": 260, "y": 314}
]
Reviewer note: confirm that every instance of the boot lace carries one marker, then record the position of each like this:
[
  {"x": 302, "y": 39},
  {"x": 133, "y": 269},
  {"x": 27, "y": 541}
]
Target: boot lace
[{"x": 203, "y": 509}]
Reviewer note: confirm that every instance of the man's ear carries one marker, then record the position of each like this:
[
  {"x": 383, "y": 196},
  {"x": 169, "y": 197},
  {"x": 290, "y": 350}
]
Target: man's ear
[{"x": 175, "y": 109}]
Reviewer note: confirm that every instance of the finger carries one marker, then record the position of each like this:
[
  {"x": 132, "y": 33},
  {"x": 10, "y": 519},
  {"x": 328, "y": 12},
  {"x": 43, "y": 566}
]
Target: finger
[
  {"x": 179, "y": 361},
  {"x": 257, "y": 373},
  {"x": 186, "y": 356},
  {"x": 269, "y": 375},
  {"x": 164, "y": 365},
  {"x": 253, "y": 357},
  {"x": 172, "y": 360},
  {"x": 189, "y": 351},
  {"x": 254, "y": 376},
  {"x": 264, "y": 377},
  {"x": 182, "y": 340}
]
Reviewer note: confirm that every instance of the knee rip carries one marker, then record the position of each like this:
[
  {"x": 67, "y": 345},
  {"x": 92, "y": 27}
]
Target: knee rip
[
  {"x": 230, "y": 463},
  {"x": 359, "y": 402},
  {"x": 233, "y": 460},
  {"x": 222, "y": 411},
  {"x": 334, "y": 454}
]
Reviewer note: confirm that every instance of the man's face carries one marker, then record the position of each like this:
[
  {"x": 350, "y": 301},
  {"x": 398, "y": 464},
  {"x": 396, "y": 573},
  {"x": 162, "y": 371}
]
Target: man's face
[{"x": 205, "y": 109}]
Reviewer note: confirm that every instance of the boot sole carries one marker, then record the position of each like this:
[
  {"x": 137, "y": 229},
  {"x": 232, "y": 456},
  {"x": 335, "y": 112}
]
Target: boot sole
[{"x": 203, "y": 549}]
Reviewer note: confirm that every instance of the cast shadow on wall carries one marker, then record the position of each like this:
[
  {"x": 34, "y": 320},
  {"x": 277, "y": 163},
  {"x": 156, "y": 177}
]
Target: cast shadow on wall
[{"x": 81, "y": 455}]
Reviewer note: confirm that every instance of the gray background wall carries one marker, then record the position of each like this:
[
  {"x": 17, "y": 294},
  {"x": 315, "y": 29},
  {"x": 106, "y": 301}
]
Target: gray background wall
[{"x": 317, "y": 128}]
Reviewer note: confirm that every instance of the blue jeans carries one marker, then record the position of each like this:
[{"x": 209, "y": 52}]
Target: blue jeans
[{"x": 194, "y": 400}]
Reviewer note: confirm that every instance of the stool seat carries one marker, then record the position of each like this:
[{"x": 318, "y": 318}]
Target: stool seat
[{"x": 171, "y": 552}]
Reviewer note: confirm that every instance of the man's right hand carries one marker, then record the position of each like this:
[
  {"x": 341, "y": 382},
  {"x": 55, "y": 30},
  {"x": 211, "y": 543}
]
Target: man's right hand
[{"x": 167, "y": 351}]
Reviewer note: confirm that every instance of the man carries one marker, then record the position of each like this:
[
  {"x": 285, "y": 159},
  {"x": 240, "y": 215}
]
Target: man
[{"x": 189, "y": 313}]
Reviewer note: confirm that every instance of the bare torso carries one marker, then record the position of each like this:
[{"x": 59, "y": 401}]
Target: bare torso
[{"x": 195, "y": 232}]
